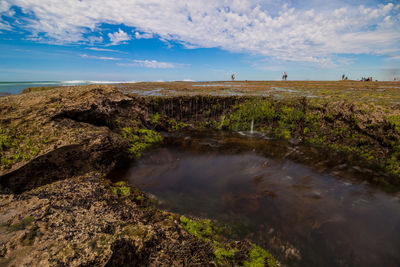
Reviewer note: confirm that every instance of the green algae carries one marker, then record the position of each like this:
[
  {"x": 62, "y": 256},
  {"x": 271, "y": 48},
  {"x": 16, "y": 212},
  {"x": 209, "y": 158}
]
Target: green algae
[
  {"x": 15, "y": 148},
  {"x": 120, "y": 189},
  {"x": 223, "y": 253},
  {"x": 202, "y": 229},
  {"x": 155, "y": 118},
  {"x": 170, "y": 124},
  {"x": 395, "y": 122},
  {"x": 251, "y": 111},
  {"x": 207, "y": 231},
  {"x": 258, "y": 257},
  {"x": 174, "y": 125},
  {"x": 140, "y": 139},
  {"x": 6, "y": 140}
]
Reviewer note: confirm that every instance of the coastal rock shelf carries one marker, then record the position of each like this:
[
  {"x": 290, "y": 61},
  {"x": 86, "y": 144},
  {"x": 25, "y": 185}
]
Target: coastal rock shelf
[{"x": 58, "y": 146}]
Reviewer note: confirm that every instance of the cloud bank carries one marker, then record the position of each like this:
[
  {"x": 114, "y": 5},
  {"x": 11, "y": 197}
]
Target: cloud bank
[
  {"x": 153, "y": 64},
  {"x": 282, "y": 31}
]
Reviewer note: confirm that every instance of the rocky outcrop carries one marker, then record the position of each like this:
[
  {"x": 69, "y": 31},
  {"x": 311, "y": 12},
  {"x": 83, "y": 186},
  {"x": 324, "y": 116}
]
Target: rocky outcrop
[
  {"x": 57, "y": 208},
  {"x": 57, "y": 146},
  {"x": 81, "y": 222}
]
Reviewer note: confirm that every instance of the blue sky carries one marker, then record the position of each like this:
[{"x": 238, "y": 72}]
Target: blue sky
[{"x": 150, "y": 40}]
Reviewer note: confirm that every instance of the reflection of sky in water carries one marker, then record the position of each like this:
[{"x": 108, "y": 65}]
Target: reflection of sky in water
[
  {"x": 215, "y": 85},
  {"x": 280, "y": 89},
  {"x": 278, "y": 203}
]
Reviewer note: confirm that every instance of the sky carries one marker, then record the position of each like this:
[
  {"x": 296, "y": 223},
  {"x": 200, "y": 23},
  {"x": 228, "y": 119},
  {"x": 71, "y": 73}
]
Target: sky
[{"x": 166, "y": 40}]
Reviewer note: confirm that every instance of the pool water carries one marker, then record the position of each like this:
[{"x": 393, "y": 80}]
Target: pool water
[{"x": 305, "y": 212}]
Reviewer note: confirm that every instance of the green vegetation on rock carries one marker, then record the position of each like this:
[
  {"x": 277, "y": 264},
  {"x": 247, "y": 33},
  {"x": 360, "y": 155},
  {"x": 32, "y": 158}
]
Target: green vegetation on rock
[
  {"x": 15, "y": 147},
  {"x": 155, "y": 118},
  {"x": 224, "y": 253},
  {"x": 258, "y": 257},
  {"x": 202, "y": 229},
  {"x": 120, "y": 189},
  {"x": 140, "y": 139},
  {"x": 395, "y": 121},
  {"x": 320, "y": 123},
  {"x": 6, "y": 140},
  {"x": 253, "y": 110},
  {"x": 174, "y": 125}
]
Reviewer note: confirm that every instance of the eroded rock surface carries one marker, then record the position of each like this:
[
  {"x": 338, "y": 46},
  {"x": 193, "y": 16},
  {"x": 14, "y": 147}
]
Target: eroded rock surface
[
  {"x": 56, "y": 207},
  {"x": 58, "y": 144},
  {"x": 81, "y": 222}
]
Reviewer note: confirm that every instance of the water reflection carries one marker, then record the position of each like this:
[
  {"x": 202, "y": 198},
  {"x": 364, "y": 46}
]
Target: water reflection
[{"x": 304, "y": 215}]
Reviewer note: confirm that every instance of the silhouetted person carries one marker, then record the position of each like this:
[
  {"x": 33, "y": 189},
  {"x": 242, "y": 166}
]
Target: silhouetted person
[
  {"x": 233, "y": 77},
  {"x": 284, "y": 77}
]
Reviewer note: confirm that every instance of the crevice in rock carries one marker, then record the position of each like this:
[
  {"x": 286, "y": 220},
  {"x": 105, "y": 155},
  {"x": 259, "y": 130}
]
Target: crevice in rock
[
  {"x": 63, "y": 162},
  {"x": 125, "y": 253},
  {"x": 56, "y": 165},
  {"x": 92, "y": 116}
]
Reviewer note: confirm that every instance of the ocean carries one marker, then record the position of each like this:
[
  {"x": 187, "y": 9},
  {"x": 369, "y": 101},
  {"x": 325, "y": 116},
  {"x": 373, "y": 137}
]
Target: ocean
[{"x": 8, "y": 88}]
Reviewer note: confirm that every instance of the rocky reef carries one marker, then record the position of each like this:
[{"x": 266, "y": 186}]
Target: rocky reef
[{"x": 59, "y": 145}]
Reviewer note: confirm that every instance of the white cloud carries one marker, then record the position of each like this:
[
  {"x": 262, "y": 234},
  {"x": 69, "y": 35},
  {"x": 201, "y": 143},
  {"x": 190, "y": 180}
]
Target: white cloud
[
  {"x": 143, "y": 35},
  {"x": 282, "y": 31},
  {"x": 94, "y": 39},
  {"x": 118, "y": 37},
  {"x": 7, "y": 12},
  {"x": 4, "y": 6},
  {"x": 103, "y": 49},
  {"x": 97, "y": 57},
  {"x": 5, "y": 26},
  {"x": 393, "y": 58},
  {"x": 154, "y": 64}
]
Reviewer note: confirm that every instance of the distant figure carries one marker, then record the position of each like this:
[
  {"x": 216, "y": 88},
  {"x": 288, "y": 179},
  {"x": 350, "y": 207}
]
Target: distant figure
[
  {"x": 343, "y": 77},
  {"x": 233, "y": 76},
  {"x": 284, "y": 77}
]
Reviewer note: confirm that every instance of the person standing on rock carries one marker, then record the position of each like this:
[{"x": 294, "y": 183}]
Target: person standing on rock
[{"x": 284, "y": 76}]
